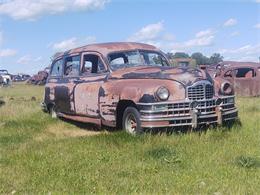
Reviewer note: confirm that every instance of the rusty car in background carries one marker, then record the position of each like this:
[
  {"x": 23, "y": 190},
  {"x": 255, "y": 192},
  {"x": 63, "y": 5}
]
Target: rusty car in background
[
  {"x": 245, "y": 76},
  {"x": 131, "y": 86},
  {"x": 40, "y": 78}
]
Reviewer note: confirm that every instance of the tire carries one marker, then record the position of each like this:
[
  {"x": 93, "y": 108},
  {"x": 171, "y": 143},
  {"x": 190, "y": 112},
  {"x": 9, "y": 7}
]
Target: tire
[
  {"x": 53, "y": 112},
  {"x": 131, "y": 121}
]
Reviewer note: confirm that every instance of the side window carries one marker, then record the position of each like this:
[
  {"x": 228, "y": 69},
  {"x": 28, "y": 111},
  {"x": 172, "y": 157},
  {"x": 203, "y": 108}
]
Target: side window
[
  {"x": 57, "y": 68},
  {"x": 228, "y": 74},
  {"x": 245, "y": 73},
  {"x": 92, "y": 64},
  {"x": 72, "y": 64}
]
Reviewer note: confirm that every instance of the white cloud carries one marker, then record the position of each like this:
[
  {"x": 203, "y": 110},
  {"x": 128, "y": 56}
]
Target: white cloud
[
  {"x": 147, "y": 33},
  {"x": 7, "y": 52},
  {"x": 31, "y": 9},
  {"x": 28, "y": 59},
  {"x": 230, "y": 22},
  {"x": 234, "y": 34},
  {"x": 247, "y": 52},
  {"x": 204, "y": 38},
  {"x": 72, "y": 43},
  {"x": 257, "y": 1},
  {"x": 257, "y": 25}
]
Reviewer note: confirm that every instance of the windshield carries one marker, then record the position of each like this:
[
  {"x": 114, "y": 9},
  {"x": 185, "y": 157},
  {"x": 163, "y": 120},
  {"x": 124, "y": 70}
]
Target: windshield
[{"x": 136, "y": 58}]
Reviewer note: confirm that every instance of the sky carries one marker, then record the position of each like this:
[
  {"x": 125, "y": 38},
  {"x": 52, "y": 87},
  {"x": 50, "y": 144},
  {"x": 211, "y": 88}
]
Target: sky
[{"x": 31, "y": 31}]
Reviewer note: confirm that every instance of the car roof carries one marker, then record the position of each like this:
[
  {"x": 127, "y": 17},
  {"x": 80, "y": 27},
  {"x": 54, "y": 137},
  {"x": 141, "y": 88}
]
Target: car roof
[
  {"x": 106, "y": 48},
  {"x": 234, "y": 64}
]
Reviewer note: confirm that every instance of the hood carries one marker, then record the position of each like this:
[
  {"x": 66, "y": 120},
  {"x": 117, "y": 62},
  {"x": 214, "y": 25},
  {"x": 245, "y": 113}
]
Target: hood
[{"x": 186, "y": 76}]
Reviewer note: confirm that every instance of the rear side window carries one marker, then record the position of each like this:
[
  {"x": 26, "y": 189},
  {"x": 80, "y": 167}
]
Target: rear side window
[
  {"x": 72, "y": 64},
  {"x": 57, "y": 68},
  {"x": 245, "y": 73}
]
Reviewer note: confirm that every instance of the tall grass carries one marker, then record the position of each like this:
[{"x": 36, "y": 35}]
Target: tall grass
[{"x": 41, "y": 155}]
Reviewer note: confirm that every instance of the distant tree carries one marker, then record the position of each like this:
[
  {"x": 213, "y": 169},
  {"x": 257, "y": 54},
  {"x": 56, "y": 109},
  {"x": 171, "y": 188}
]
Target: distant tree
[
  {"x": 200, "y": 58},
  {"x": 216, "y": 58},
  {"x": 180, "y": 55}
]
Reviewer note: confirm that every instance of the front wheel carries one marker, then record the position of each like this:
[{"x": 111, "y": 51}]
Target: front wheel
[{"x": 131, "y": 121}]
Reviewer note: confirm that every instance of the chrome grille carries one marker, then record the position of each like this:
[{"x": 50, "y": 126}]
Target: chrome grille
[{"x": 200, "y": 91}]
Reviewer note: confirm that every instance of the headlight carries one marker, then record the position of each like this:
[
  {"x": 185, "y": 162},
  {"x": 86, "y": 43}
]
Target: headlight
[
  {"x": 226, "y": 89},
  {"x": 163, "y": 93}
]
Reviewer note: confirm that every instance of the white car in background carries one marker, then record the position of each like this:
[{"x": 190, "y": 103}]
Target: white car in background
[{"x": 5, "y": 78}]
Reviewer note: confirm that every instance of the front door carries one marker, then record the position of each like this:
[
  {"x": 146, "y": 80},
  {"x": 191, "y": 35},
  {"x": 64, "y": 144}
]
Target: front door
[
  {"x": 64, "y": 93},
  {"x": 87, "y": 93}
]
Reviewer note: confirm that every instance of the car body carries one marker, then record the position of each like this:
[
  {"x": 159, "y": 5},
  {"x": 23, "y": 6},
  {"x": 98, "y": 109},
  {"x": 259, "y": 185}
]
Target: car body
[
  {"x": 244, "y": 76},
  {"x": 39, "y": 78},
  {"x": 5, "y": 78},
  {"x": 132, "y": 86},
  {"x": 21, "y": 77}
]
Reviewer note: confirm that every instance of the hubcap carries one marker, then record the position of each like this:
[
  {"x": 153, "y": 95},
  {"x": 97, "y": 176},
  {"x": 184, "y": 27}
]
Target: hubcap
[{"x": 131, "y": 123}]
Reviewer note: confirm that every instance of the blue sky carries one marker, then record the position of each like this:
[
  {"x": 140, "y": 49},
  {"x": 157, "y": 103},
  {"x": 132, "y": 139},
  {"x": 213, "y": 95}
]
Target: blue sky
[{"x": 32, "y": 31}]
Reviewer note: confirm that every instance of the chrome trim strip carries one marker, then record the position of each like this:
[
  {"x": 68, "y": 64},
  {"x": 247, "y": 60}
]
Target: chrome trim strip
[{"x": 184, "y": 101}]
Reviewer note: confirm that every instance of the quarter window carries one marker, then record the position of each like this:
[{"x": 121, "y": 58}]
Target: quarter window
[
  {"x": 57, "y": 68},
  {"x": 72, "y": 65}
]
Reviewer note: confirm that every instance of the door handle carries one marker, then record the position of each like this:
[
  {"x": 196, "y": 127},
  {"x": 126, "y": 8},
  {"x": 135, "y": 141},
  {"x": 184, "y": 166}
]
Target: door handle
[{"x": 77, "y": 81}]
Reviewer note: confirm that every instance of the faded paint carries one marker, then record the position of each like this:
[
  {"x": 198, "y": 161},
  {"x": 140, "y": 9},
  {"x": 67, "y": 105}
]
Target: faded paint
[
  {"x": 244, "y": 85},
  {"x": 95, "y": 97}
]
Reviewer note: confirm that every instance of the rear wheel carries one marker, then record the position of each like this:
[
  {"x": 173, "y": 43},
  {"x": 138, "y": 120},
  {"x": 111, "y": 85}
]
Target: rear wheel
[{"x": 131, "y": 121}]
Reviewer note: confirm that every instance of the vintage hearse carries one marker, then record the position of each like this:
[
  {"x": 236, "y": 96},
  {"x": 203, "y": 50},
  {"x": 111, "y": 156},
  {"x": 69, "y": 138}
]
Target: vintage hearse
[{"x": 132, "y": 86}]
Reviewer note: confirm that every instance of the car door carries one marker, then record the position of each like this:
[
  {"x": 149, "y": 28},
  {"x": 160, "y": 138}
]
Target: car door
[
  {"x": 53, "y": 82},
  {"x": 245, "y": 81},
  {"x": 64, "y": 91},
  {"x": 93, "y": 73}
]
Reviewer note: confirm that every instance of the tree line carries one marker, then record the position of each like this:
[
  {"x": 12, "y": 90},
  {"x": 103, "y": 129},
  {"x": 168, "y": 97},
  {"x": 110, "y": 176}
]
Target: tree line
[{"x": 199, "y": 57}]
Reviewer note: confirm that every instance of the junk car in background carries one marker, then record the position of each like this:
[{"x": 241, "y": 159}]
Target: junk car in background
[
  {"x": 245, "y": 76},
  {"x": 21, "y": 77},
  {"x": 5, "y": 78},
  {"x": 132, "y": 86},
  {"x": 39, "y": 78}
]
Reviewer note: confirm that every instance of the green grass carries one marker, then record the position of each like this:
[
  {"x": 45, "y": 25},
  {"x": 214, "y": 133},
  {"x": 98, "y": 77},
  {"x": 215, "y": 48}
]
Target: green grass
[{"x": 41, "y": 155}]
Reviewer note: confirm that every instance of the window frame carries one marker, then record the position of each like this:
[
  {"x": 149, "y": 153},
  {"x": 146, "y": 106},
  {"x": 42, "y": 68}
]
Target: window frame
[
  {"x": 139, "y": 51},
  {"x": 62, "y": 66},
  {"x": 236, "y": 69},
  {"x": 100, "y": 57}
]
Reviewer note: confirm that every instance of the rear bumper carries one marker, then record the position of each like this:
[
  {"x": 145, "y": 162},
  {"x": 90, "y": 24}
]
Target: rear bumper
[{"x": 188, "y": 112}]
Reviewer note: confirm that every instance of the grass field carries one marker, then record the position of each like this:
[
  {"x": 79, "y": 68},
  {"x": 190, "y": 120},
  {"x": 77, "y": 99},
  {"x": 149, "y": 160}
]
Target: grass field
[{"x": 41, "y": 155}]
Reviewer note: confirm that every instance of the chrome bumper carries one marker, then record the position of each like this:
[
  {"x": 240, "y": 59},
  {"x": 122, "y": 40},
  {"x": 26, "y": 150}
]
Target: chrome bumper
[{"x": 188, "y": 112}]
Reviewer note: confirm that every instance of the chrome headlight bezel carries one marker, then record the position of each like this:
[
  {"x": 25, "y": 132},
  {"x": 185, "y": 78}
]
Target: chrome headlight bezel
[
  {"x": 162, "y": 93},
  {"x": 226, "y": 89}
]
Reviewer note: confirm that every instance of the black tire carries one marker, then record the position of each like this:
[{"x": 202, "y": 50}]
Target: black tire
[{"x": 131, "y": 121}]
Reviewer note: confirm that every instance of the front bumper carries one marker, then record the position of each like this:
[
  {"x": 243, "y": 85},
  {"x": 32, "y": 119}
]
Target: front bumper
[
  {"x": 44, "y": 107},
  {"x": 188, "y": 112}
]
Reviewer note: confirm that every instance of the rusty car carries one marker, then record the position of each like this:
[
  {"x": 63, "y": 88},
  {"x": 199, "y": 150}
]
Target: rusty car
[
  {"x": 244, "y": 76},
  {"x": 132, "y": 86},
  {"x": 40, "y": 78}
]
